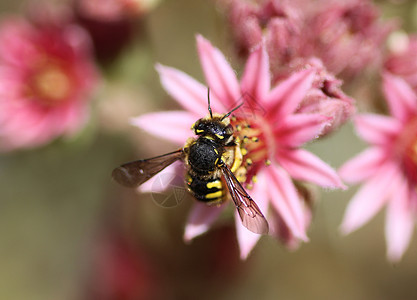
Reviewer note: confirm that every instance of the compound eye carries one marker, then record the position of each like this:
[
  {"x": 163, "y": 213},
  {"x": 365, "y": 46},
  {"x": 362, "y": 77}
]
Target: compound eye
[{"x": 228, "y": 131}]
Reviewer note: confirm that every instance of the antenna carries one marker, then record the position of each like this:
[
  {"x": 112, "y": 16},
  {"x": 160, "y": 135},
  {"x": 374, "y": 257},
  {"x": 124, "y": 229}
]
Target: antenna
[
  {"x": 228, "y": 114},
  {"x": 208, "y": 98}
]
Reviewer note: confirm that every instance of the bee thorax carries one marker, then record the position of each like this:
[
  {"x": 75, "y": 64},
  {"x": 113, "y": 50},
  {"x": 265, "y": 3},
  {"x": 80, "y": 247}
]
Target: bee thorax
[{"x": 203, "y": 156}]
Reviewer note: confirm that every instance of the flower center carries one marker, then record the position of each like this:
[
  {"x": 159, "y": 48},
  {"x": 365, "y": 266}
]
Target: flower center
[
  {"x": 406, "y": 149},
  {"x": 255, "y": 138},
  {"x": 51, "y": 84}
]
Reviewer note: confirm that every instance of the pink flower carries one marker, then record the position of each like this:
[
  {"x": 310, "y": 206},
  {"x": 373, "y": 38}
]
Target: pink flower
[
  {"x": 119, "y": 269},
  {"x": 346, "y": 35},
  {"x": 387, "y": 168},
  {"x": 326, "y": 98},
  {"x": 403, "y": 61},
  {"x": 270, "y": 132},
  {"x": 46, "y": 77},
  {"x": 279, "y": 21}
]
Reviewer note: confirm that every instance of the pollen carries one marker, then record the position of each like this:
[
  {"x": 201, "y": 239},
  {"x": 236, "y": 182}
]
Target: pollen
[
  {"x": 249, "y": 161},
  {"x": 253, "y": 135},
  {"x": 51, "y": 84}
]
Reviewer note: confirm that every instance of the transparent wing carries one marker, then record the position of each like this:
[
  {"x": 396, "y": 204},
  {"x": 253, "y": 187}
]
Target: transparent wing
[
  {"x": 133, "y": 174},
  {"x": 249, "y": 212}
]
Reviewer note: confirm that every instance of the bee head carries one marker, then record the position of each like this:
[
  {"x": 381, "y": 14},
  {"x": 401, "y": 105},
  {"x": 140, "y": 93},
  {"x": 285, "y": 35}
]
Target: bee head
[{"x": 215, "y": 128}]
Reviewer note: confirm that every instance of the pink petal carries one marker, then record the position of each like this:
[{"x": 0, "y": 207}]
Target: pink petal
[
  {"x": 377, "y": 129},
  {"x": 399, "y": 221},
  {"x": 363, "y": 166},
  {"x": 303, "y": 165},
  {"x": 298, "y": 129},
  {"x": 200, "y": 220},
  {"x": 174, "y": 126},
  {"x": 70, "y": 118},
  {"x": 19, "y": 118},
  {"x": 402, "y": 101},
  {"x": 256, "y": 78},
  {"x": 18, "y": 35},
  {"x": 27, "y": 127},
  {"x": 279, "y": 229},
  {"x": 247, "y": 239},
  {"x": 188, "y": 92},
  {"x": 284, "y": 198},
  {"x": 369, "y": 199},
  {"x": 286, "y": 97},
  {"x": 220, "y": 77}
]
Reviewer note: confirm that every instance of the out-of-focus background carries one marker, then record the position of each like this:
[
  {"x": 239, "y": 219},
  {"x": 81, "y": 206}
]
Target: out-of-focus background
[{"x": 67, "y": 231}]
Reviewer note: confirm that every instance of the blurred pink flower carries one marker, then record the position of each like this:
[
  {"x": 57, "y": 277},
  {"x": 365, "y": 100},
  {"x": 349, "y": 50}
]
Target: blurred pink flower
[
  {"x": 346, "y": 35},
  {"x": 279, "y": 21},
  {"x": 46, "y": 77},
  {"x": 403, "y": 61},
  {"x": 120, "y": 270},
  {"x": 270, "y": 132},
  {"x": 387, "y": 168},
  {"x": 326, "y": 97}
]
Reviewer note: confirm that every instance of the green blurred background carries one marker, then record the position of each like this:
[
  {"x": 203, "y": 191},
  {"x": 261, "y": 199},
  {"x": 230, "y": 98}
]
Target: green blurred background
[{"x": 59, "y": 207}]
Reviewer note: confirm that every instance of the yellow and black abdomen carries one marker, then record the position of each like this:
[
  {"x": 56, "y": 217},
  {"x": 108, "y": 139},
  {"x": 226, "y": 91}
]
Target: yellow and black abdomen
[
  {"x": 209, "y": 191},
  {"x": 204, "y": 178}
]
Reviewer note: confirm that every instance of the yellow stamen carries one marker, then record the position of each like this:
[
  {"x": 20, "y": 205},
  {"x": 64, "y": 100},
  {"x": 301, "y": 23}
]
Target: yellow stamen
[{"x": 52, "y": 84}]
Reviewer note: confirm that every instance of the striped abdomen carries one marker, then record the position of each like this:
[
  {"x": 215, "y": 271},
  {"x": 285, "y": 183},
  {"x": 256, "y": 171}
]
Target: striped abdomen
[{"x": 209, "y": 191}]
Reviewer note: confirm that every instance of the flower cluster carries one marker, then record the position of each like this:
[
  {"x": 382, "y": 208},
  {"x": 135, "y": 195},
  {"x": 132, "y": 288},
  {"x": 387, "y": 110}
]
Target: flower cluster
[
  {"x": 347, "y": 39},
  {"x": 345, "y": 35}
]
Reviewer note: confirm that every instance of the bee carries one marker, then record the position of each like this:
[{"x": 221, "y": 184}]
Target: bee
[{"x": 211, "y": 159}]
